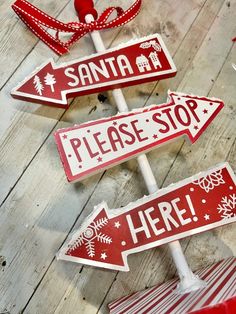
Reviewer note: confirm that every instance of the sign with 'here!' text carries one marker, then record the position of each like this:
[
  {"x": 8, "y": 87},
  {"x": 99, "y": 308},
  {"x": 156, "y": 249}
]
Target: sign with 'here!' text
[{"x": 200, "y": 203}]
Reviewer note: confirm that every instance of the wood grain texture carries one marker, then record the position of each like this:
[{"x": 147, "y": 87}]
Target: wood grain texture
[{"x": 39, "y": 208}]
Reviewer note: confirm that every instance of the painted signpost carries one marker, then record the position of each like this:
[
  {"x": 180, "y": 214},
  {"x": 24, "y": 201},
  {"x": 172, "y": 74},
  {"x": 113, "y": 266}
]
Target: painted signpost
[
  {"x": 136, "y": 62},
  {"x": 200, "y": 203},
  {"x": 194, "y": 205},
  {"x": 152, "y": 54},
  {"x": 94, "y": 146}
]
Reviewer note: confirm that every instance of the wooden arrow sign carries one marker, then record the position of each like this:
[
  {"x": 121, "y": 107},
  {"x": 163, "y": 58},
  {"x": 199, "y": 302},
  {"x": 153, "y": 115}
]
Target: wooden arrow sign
[
  {"x": 94, "y": 146},
  {"x": 202, "y": 202},
  {"x": 136, "y": 62}
]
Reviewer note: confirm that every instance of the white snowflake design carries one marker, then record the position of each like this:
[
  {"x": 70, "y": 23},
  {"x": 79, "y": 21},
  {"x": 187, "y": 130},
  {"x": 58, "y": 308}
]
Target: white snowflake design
[
  {"x": 210, "y": 181},
  {"x": 89, "y": 236},
  {"x": 227, "y": 206}
]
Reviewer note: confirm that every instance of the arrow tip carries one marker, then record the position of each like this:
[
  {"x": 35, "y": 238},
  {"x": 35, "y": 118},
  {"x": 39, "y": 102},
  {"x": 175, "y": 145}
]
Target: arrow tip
[
  {"x": 41, "y": 87},
  {"x": 94, "y": 243},
  {"x": 195, "y": 112}
]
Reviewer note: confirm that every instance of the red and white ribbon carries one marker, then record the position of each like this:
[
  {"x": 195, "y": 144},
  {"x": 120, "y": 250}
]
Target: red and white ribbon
[{"x": 38, "y": 21}]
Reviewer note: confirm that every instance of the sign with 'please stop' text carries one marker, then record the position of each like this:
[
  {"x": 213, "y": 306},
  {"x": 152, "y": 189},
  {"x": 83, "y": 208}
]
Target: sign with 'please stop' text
[
  {"x": 135, "y": 62},
  {"x": 200, "y": 203},
  {"x": 97, "y": 145}
]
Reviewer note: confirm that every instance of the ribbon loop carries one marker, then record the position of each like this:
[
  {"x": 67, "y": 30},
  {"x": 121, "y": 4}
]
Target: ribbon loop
[{"x": 38, "y": 21}]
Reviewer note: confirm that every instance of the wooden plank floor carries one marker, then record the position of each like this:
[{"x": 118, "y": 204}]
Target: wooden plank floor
[{"x": 39, "y": 208}]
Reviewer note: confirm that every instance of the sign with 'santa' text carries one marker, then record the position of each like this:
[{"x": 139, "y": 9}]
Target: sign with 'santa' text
[
  {"x": 97, "y": 145},
  {"x": 202, "y": 202},
  {"x": 136, "y": 62}
]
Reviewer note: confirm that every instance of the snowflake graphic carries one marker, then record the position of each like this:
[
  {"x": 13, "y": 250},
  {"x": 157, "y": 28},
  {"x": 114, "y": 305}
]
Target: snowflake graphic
[
  {"x": 89, "y": 236},
  {"x": 227, "y": 206},
  {"x": 210, "y": 181}
]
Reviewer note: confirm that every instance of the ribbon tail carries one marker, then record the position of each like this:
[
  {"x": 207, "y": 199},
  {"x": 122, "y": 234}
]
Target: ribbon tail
[
  {"x": 38, "y": 22},
  {"x": 130, "y": 14},
  {"x": 43, "y": 35},
  {"x": 123, "y": 17},
  {"x": 23, "y": 7}
]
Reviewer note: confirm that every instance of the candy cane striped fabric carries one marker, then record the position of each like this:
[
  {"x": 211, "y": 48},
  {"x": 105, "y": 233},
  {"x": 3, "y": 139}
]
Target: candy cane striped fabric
[{"x": 221, "y": 286}]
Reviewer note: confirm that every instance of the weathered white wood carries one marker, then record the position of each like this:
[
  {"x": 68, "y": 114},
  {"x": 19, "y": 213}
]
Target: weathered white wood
[
  {"x": 221, "y": 242},
  {"x": 16, "y": 40},
  {"x": 207, "y": 247},
  {"x": 24, "y": 133},
  {"x": 25, "y": 126},
  {"x": 203, "y": 154},
  {"x": 31, "y": 234},
  {"x": 73, "y": 296}
]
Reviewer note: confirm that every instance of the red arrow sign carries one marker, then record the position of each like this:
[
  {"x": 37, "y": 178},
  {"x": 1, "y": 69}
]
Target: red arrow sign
[
  {"x": 202, "y": 202},
  {"x": 98, "y": 145},
  {"x": 136, "y": 62}
]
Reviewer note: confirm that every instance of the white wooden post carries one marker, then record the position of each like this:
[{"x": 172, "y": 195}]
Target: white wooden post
[{"x": 188, "y": 281}]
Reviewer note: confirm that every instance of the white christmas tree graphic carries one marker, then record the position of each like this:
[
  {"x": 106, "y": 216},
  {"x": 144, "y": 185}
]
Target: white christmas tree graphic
[
  {"x": 38, "y": 85},
  {"x": 89, "y": 236},
  {"x": 50, "y": 80},
  {"x": 227, "y": 206}
]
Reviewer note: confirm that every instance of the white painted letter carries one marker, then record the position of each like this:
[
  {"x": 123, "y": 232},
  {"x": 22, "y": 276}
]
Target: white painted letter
[
  {"x": 190, "y": 204},
  {"x": 95, "y": 69},
  {"x": 123, "y": 63},
  {"x": 153, "y": 222},
  {"x": 165, "y": 209},
  {"x": 74, "y": 77},
  {"x": 134, "y": 231},
  {"x": 110, "y": 61},
  {"x": 180, "y": 212},
  {"x": 84, "y": 73}
]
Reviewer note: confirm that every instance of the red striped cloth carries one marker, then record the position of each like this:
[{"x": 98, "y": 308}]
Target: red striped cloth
[{"x": 161, "y": 299}]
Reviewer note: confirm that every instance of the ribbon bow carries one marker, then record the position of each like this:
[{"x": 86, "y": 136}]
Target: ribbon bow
[{"x": 38, "y": 21}]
